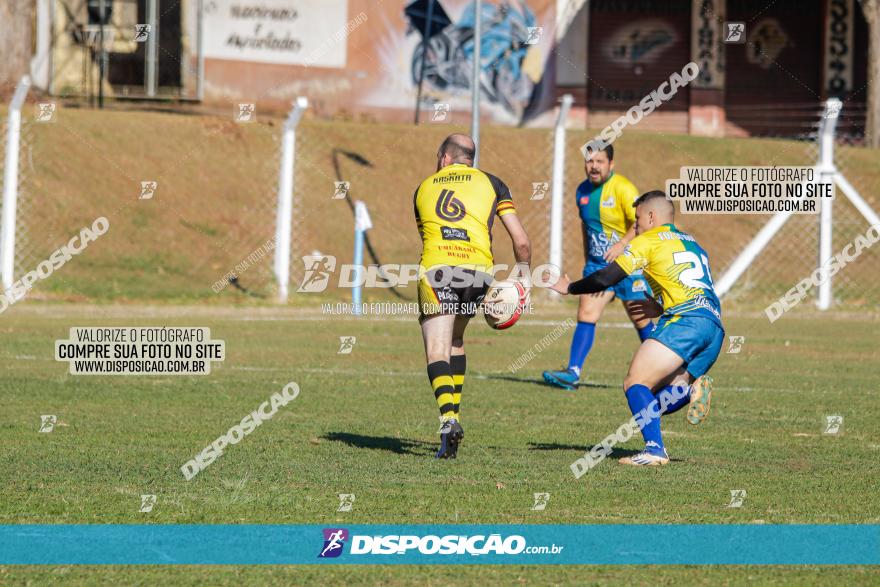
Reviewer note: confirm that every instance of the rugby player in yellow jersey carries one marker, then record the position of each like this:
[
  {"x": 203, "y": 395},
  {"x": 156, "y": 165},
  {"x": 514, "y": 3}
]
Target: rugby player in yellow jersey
[
  {"x": 688, "y": 337},
  {"x": 454, "y": 211},
  {"x": 605, "y": 205}
]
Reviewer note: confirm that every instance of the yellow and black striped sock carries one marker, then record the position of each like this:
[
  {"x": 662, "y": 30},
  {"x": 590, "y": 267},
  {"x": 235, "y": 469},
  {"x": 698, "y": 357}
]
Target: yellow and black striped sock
[
  {"x": 441, "y": 383},
  {"x": 458, "y": 366}
]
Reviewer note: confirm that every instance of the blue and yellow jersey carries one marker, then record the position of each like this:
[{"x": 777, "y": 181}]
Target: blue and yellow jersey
[
  {"x": 454, "y": 210},
  {"x": 677, "y": 269},
  {"x": 607, "y": 212}
]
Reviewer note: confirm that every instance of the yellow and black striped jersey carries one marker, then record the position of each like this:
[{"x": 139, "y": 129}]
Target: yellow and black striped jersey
[{"x": 454, "y": 211}]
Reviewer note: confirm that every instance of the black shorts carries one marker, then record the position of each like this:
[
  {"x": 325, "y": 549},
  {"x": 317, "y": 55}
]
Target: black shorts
[{"x": 452, "y": 290}]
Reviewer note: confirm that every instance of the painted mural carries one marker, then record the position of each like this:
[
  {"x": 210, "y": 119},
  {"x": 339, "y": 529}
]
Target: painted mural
[{"x": 516, "y": 40}]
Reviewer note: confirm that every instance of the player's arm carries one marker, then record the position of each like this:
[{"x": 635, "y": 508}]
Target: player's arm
[
  {"x": 504, "y": 207},
  {"x": 634, "y": 257},
  {"x": 416, "y": 212},
  {"x": 595, "y": 282},
  {"x": 522, "y": 248},
  {"x": 586, "y": 239},
  {"x": 627, "y": 197}
]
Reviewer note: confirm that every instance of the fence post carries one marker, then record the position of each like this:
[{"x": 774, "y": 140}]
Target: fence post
[
  {"x": 827, "y": 171},
  {"x": 362, "y": 223},
  {"x": 284, "y": 219},
  {"x": 10, "y": 183},
  {"x": 751, "y": 252},
  {"x": 558, "y": 187}
]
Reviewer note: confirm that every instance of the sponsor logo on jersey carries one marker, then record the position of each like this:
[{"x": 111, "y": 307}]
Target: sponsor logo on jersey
[{"x": 454, "y": 234}]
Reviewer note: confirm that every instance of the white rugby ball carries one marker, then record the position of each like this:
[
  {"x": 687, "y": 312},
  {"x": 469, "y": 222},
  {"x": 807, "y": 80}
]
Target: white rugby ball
[{"x": 504, "y": 303}]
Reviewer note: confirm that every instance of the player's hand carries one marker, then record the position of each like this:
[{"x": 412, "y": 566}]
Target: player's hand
[
  {"x": 646, "y": 307},
  {"x": 561, "y": 285},
  {"x": 614, "y": 251}
]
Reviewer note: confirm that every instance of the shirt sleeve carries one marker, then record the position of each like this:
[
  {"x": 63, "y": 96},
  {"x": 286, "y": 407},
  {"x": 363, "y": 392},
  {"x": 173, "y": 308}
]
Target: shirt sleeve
[
  {"x": 636, "y": 255},
  {"x": 416, "y": 208},
  {"x": 503, "y": 200},
  {"x": 628, "y": 195}
]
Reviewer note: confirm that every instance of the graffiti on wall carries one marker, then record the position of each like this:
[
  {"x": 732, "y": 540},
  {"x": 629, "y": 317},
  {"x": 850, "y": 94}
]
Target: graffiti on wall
[{"x": 512, "y": 52}]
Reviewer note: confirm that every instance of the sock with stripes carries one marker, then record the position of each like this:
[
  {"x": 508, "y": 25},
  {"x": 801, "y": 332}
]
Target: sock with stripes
[
  {"x": 458, "y": 365},
  {"x": 440, "y": 375}
]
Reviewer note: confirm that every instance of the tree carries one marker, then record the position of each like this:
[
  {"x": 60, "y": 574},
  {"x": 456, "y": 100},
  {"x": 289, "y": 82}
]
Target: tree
[
  {"x": 16, "y": 24},
  {"x": 871, "y": 9}
]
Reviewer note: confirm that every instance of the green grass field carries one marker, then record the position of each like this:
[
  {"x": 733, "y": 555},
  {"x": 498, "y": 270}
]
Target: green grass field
[{"x": 365, "y": 423}]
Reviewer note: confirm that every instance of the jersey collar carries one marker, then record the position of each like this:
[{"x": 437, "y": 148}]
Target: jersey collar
[{"x": 669, "y": 227}]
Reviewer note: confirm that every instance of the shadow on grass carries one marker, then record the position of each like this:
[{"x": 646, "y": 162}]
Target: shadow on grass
[
  {"x": 401, "y": 446},
  {"x": 616, "y": 453},
  {"x": 542, "y": 383}
]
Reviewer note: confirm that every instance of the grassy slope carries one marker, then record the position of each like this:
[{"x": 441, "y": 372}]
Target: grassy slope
[{"x": 216, "y": 198}]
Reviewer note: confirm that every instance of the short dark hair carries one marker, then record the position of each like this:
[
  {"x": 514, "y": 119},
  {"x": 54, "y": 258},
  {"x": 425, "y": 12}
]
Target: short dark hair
[
  {"x": 452, "y": 147},
  {"x": 648, "y": 196},
  {"x": 593, "y": 149}
]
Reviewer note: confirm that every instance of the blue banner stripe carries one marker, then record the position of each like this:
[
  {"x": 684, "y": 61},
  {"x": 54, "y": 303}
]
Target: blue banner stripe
[{"x": 467, "y": 544}]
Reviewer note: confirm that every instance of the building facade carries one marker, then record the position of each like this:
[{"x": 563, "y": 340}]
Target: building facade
[{"x": 378, "y": 60}]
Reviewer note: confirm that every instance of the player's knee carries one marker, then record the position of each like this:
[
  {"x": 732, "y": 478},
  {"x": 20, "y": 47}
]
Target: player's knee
[
  {"x": 588, "y": 314},
  {"x": 437, "y": 352}
]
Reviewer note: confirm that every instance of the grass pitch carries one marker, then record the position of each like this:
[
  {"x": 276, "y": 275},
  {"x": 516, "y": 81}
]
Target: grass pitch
[{"x": 365, "y": 423}]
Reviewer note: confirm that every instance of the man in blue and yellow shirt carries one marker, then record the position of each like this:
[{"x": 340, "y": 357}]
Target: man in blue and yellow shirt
[
  {"x": 605, "y": 205},
  {"x": 689, "y": 335}
]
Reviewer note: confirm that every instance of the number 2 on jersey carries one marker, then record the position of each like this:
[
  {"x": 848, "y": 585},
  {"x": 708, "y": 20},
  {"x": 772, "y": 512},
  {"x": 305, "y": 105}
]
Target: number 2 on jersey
[{"x": 692, "y": 277}]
